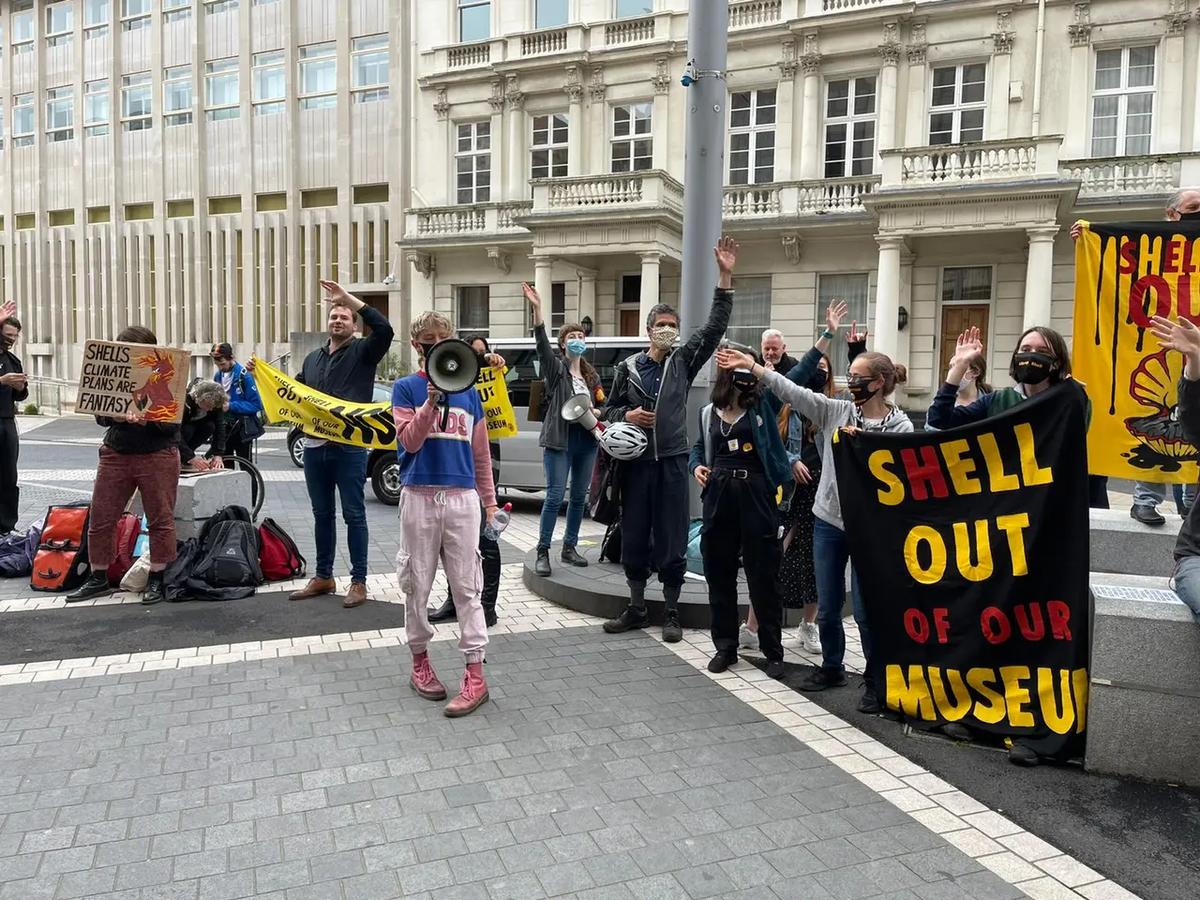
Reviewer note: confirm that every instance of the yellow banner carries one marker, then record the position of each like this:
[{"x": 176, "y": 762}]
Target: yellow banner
[
  {"x": 288, "y": 402},
  {"x": 1124, "y": 274}
]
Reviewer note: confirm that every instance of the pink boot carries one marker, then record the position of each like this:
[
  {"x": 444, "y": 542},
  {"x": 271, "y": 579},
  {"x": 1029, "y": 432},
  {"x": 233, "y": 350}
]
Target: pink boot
[
  {"x": 424, "y": 681},
  {"x": 472, "y": 695}
]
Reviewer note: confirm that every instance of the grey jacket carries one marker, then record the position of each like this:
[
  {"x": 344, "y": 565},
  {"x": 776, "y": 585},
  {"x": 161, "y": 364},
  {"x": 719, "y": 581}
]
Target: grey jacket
[
  {"x": 828, "y": 415},
  {"x": 556, "y": 374},
  {"x": 669, "y": 435}
]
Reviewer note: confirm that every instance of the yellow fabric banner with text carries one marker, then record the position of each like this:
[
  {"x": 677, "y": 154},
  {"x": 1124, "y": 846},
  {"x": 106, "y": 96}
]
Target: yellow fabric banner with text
[
  {"x": 1124, "y": 274},
  {"x": 288, "y": 402}
]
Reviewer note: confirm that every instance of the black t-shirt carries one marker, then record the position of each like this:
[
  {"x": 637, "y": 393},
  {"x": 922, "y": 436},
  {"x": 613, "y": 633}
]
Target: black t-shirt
[{"x": 733, "y": 445}]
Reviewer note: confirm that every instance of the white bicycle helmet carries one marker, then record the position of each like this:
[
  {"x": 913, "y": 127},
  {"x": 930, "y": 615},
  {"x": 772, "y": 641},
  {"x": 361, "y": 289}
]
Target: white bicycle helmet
[{"x": 623, "y": 441}]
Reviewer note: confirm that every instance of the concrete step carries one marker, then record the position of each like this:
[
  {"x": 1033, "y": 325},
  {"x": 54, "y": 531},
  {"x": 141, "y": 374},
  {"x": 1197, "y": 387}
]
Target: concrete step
[{"x": 1119, "y": 544}]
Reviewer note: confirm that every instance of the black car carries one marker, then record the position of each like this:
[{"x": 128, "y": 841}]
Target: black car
[{"x": 383, "y": 468}]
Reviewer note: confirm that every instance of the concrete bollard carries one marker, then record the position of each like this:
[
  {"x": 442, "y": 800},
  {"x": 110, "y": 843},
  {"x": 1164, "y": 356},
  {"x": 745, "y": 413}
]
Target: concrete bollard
[{"x": 198, "y": 497}]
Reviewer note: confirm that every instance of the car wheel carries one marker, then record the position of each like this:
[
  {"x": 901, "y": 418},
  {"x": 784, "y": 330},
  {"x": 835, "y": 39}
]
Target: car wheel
[
  {"x": 385, "y": 480},
  {"x": 296, "y": 449}
]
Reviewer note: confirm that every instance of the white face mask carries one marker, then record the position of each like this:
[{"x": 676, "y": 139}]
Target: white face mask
[{"x": 664, "y": 336}]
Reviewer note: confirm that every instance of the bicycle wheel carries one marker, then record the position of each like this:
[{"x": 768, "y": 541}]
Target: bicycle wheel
[{"x": 257, "y": 485}]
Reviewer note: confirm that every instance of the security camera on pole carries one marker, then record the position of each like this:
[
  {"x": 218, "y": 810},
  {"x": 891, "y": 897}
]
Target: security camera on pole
[{"x": 704, "y": 172}]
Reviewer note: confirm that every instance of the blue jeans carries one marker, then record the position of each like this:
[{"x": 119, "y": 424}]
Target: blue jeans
[
  {"x": 1148, "y": 493},
  {"x": 831, "y": 552},
  {"x": 1187, "y": 584},
  {"x": 342, "y": 468},
  {"x": 577, "y": 461}
]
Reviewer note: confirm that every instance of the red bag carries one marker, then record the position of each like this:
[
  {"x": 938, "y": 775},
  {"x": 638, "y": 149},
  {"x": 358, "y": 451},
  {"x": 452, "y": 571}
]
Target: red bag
[
  {"x": 129, "y": 529},
  {"x": 61, "y": 563},
  {"x": 278, "y": 556}
]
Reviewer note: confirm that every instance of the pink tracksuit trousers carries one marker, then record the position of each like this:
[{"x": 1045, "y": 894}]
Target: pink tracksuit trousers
[{"x": 441, "y": 523}]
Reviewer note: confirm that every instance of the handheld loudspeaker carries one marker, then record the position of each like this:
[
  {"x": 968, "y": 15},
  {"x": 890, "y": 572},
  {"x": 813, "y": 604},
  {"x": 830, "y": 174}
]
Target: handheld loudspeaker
[
  {"x": 452, "y": 366},
  {"x": 578, "y": 409}
]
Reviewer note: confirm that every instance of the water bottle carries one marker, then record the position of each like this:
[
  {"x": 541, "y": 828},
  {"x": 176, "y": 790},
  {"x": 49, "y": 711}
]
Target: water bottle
[{"x": 499, "y": 522}]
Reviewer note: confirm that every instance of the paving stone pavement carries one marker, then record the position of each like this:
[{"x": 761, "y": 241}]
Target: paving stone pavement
[{"x": 602, "y": 767}]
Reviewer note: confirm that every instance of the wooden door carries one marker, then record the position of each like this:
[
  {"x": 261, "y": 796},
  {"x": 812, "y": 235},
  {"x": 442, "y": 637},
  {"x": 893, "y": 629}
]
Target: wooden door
[
  {"x": 955, "y": 320},
  {"x": 377, "y": 302},
  {"x": 630, "y": 320}
]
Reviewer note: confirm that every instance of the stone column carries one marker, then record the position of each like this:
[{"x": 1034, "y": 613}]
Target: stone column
[
  {"x": 1170, "y": 124},
  {"x": 1078, "y": 85},
  {"x": 587, "y": 298},
  {"x": 916, "y": 130},
  {"x": 649, "y": 297},
  {"x": 499, "y": 150},
  {"x": 1039, "y": 275},
  {"x": 576, "y": 124},
  {"x": 996, "y": 127},
  {"x": 600, "y": 124},
  {"x": 543, "y": 283},
  {"x": 785, "y": 112},
  {"x": 660, "y": 122},
  {"x": 810, "y": 116},
  {"x": 517, "y": 187},
  {"x": 887, "y": 295},
  {"x": 889, "y": 54}
]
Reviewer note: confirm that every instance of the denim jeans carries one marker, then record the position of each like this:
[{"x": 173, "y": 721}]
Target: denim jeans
[
  {"x": 341, "y": 468},
  {"x": 831, "y": 552},
  {"x": 576, "y": 461},
  {"x": 1147, "y": 493},
  {"x": 1187, "y": 584}
]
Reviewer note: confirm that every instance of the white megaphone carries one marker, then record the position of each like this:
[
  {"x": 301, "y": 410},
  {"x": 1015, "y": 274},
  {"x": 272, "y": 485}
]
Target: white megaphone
[
  {"x": 578, "y": 409},
  {"x": 452, "y": 366}
]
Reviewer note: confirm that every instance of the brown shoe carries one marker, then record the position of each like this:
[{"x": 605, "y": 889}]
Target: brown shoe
[
  {"x": 316, "y": 587},
  {"x": 356, "y": 596}
]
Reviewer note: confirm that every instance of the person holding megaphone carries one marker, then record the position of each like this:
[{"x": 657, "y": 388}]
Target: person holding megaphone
[{"x": 568, "y": 447}]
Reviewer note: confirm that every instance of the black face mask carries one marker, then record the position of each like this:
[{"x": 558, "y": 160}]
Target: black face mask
[
  {"x": 425, "y": 348},
  {"x": 1189, "y": 216},
  {"x": 744, "y": 383},
  {"x": 818, "y": 381},
  {"x": 860, "y": 388},
  {"x": 1032, "y": 367}
]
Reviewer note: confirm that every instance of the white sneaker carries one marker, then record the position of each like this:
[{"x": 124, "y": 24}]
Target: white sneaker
[
  {"x": 810, "y": 637},
  {"x": 747, "y": 639}
]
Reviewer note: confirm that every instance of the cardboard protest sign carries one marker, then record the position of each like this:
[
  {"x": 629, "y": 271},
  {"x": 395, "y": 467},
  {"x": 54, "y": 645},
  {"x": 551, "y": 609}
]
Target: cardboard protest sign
[
  {"x": 117, "y": 378},
  {"x": 1124, "y": 274},
  {"x": 971, "y": 551}
]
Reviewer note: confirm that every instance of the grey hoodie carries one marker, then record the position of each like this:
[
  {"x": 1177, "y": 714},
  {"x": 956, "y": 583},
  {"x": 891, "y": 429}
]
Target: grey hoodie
[{"x": 828, "y": 415}]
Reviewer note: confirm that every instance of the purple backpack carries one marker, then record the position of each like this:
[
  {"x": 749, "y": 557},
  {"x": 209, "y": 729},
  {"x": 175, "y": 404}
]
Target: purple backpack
[{"x": 17, "y": 552}]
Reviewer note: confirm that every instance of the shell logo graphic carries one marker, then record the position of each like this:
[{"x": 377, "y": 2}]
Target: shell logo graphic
[{"x": 1152, "y": 384}]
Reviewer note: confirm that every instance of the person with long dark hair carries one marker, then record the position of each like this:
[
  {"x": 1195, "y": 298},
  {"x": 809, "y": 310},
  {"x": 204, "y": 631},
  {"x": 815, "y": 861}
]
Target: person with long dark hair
[
  {"x": 740, "y": 462},
  {"x": 141, "y": 456},
  {"x": 568, "y": 449}
]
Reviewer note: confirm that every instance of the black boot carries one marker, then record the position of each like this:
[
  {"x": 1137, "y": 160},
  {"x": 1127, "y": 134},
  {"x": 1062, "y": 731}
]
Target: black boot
[
  {"x": 632, "y": 617},
  {"x": 96, "y": 585},
  {"x": 154, "y": 592},
  {"x": 444, "y": 613},
  {"x": 672, "y": 633},
  {"x": 572, "y": 558},
  {"x": 489, "y": 615},
  {"x": 542, "y": 566}
]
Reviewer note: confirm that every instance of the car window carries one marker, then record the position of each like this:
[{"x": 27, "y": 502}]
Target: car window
[
  {"x": 524, "y": 367},
  {"x": 382, "y": 394}
]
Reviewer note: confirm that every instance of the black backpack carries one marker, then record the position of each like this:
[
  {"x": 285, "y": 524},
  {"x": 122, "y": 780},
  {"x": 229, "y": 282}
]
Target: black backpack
[{"x": 221, "y": 564}]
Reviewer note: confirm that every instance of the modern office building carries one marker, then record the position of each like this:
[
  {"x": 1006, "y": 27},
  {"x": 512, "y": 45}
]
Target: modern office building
[{"x": 197, "y": 165}]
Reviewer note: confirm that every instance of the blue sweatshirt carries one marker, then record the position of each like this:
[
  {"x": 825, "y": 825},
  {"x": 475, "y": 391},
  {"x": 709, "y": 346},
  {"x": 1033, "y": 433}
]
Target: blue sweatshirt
[{"x": 446, "y": 458}]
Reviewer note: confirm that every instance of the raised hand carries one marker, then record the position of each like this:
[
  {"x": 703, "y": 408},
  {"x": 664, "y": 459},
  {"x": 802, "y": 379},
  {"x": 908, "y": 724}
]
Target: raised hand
[
  {"x": 1182, "y": 336},
  {"x": 726, "y": 252},
  {"x": 339, "y": 296},
  {"x": 854, "y": 336},
  {"x": 8, "y": 308},
  {"x": 834, "y": 315},
  {"x": 966, "y": 348},
  {"x": 531, "y": 295},
  {"x": 728, "y": 358}
]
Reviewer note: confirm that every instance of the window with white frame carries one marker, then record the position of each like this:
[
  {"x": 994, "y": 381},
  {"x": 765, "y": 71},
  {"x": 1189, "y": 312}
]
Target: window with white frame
[
  {"x": 268, "y": 80},
  {"x": 95, "y": 18},
  {"x": 852, "y": 289},
  {"x": 177, "y": 95},
  {"x": 318, "y": 76},
  {"x": 60, "y": 114},
  {"x": 60, "y": 24},
  {"x": 753, "y": 313},
  {"x": 1123, "y": 101},
  {"x": 177, "y": 10},
  {"x": 23, "y": 27},
  {"x": 472, "y": 314},
  {"x": 137, "y": 102},
  {"x": 370, "y": 69},
  {"x": 967, "y": 284},
  {"x": 752, "y": 136},
  {"x": 221, "y": 89},
  {"x": 96, "y": 108},
  {"x": 850, "y": 127},
  {"x": 957, "y": 104},
  {"x": 551, "y": 13},
  {"x": 473, "y": 162},
  {"x": 264, "y": 2},
  {"x": 548, "y": 157},
  {"x": 135, "y": 14},
  {"x": 624, "y": 8},
  {"x": 474, "y": 20},
  {"x": 212, "y": 7},
  {"x": 555, "y": 313},
  {"x": 22, "y": 120},
  {"x": 632, "y": 147}
]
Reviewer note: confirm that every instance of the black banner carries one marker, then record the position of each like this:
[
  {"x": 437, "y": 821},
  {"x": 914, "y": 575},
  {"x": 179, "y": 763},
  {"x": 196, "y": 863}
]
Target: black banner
[{"x": 971, "y": 548}]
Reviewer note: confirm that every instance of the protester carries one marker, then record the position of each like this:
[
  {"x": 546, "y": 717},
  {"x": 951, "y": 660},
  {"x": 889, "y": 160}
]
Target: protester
[
  {"x": 14, "y": 389},
  {"x": 203, "y": 423},
  {"x": 241, "y": 419},
  {"x": 141, "y": 456},
  {"x": 343, "y": 367},
  {"x": 489, "y": 549},
  {"x": 873, "y": 377},
  {"x": 447, "y": 475},
  {"x": 740, "y": 462},
  {"x": 1183, "y": 337},
  {"x": 774, "y": 351},
  {"x": 650, "y": 390},
  {"x": 568, "y": 449}
]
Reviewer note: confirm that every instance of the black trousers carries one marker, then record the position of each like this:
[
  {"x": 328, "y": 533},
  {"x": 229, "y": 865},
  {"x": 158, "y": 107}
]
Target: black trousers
[
  {"x": 490, "y": 551},
  {"x": 10, "y": 494},
  {"x": 654, "y": 520},
  {"x": 740, "y": 519}
]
